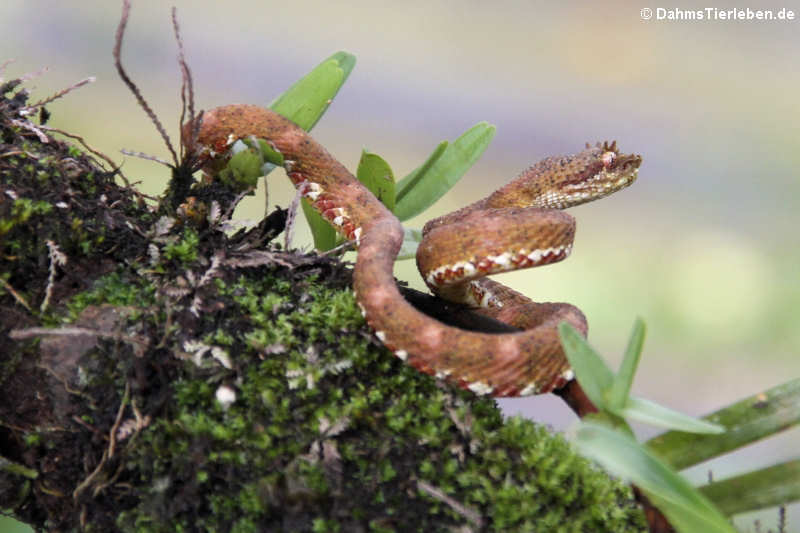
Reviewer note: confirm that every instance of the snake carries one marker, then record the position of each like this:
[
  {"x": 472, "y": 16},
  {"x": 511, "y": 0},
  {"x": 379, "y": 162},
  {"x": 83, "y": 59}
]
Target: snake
[{"x": 520, "y": 225}]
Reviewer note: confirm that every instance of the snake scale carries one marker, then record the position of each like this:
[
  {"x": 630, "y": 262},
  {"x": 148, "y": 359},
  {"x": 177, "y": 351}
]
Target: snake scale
[{"x": 518, "y": 226}]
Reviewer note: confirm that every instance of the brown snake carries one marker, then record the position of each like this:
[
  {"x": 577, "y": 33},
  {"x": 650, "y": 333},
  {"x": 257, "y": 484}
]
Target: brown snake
[{"x": 518, "y": 226}]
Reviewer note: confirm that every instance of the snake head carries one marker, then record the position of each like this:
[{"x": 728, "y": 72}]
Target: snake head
[
  {"x": 594, "y": 173},
  {"x": 562, "y": 182}
]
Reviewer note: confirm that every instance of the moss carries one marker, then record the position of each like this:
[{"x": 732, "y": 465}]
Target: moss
[
  {"x": 331, "y": 433},
  {"x": 184, "y": 250},
  {"x": 21, "y": 210},
  {"x": 117, "y": 288},
  {"x": 32, "y": 439},
  {"x": 50, "y": 194}
]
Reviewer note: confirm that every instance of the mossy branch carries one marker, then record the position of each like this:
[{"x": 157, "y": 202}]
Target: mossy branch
[{"x": 197, "y": 377}]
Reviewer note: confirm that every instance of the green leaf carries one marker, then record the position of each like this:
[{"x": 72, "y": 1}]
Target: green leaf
[
  {"x": 686, "y": 509},
  {"x": 410, "y": 182},
  {"x": 591, "y": 371},
  {"x": 609, "y": 393},
  {"x": 448, "y": 163},
  {"x": 376, "y": 174},
  {"x": 746, "y": 421},
  {"x": 620, "y": 390},
  {"x": 768, "y": 487},
  {"x": 322, "y": 231},
  {"x": 271, "y": 156},
  {"x": 306, "y": 101},
  {"x": 411, "y": 240},
  {"x": 657, "y": 415}
]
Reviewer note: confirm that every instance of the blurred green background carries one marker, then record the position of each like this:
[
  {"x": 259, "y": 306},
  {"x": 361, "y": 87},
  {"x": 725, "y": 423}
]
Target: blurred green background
[{"x": 704, "y": 246}]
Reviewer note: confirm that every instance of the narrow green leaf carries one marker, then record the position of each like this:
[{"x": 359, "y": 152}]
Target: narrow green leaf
[
  {"x": 610, "y": 420},
  {"x": 410, "y": 182},
  {"x": 621, "y": 388},
  {"x": 420, "y": 189},
  {"x": 376, "y": 174},
  {"x": 657, "y": 415},
  {"x": 306, "y": 101},
  {"x": 769, "y": 487},
  {"x": 686, "y": 509},
  {"x": 411, "y": 239},
  {"x": 687, "y": 519},
  {"x": 591, "y": 371},
  {"x": 271, "y": 156},
  {"x": 321, "y": 230},
  {"x": 746, "y": 421}
]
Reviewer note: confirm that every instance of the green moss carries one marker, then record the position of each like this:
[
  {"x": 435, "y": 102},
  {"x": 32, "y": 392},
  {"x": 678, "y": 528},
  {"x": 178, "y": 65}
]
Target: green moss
[
  {"x": 23, "y": 209},
  {"x": 321, "y": 525},
  {"x": 184, "y": 250},
  {"x": 33, "y": 439},
  {"x": 220, "y": 337},
  {"x": 328, "y": 431},
  {"x": 116, "y": 289}
]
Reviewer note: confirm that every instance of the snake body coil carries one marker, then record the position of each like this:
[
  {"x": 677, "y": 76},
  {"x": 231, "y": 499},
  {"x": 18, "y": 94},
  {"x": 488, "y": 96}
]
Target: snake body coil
[{"x": 518, "y": 226}]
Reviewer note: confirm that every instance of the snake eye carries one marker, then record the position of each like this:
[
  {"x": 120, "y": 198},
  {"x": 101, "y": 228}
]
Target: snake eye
[{"x": 608, "y": 158}]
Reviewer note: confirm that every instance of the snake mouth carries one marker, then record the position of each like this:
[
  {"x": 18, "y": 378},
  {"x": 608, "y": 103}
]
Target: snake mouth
[
  {"x": 600, "y": 184},
  {"x": 626, "y": 164}
]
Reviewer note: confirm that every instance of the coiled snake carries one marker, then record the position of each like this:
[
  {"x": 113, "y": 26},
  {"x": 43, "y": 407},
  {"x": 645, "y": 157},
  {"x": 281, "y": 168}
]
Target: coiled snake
[{"x": 520, "y": 225}]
